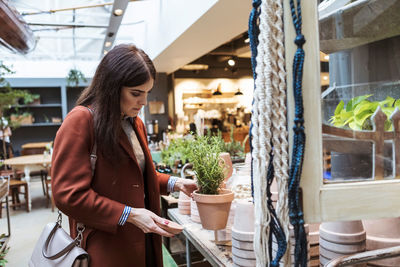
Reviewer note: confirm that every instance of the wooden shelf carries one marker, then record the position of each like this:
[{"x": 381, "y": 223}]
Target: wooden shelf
[
  {"x": 41, "y": 124},
  {"x": 40, "y": 106}
]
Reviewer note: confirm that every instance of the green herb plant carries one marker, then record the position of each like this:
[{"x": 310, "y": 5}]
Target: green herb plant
[
  {"x": 74, "y": 77},
  {"x": 178, "y": 149},
  {"x": 357, "y": 113},
  {"x": 207, "y": 165}
]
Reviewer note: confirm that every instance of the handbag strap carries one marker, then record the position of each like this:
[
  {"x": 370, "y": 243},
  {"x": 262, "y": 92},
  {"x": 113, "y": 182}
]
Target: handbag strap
[
  {"x": 80, "y": 226},
  {"x": 93, "y": 154},
  {"x": 63, "y": 251}
]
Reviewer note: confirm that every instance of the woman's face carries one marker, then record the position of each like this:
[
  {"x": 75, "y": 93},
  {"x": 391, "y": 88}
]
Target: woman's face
[{"x": 134, "y": 98}]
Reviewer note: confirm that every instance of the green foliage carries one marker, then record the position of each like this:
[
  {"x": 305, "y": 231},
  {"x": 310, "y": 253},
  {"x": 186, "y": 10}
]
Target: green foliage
[
  {"x": 3, "y": 254},
  {"x": 178, "y": 149},
  {"x": 234, "y": 148},
  {"x": 208, "y": 166},
  {"x": 10, "y": 98},
  {"x": 74, "y": 77},
  {"x": 358, "y": 112}
]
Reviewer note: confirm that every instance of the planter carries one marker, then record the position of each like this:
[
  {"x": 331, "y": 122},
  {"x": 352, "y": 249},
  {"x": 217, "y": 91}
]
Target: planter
[
  {"x": 214, "y": 209},
  {"x": 228, "y": 164},
  {"x": 194, "y": 213},
  {"x": 22, "y": 119},
  {"x": 340, "y": 239},
  {"x": 184, "y": 204},
  {"x": 383, "y": 233},
  {"x": 244, "y": 219}
]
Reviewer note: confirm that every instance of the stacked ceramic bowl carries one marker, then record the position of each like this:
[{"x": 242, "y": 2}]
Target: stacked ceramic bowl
[
  {"x": 338, "y": 239},
  {"x": 184, "y": 204},
  {"x": 194, "y": 213},
  {"x": 292, "y": 244},
  {"x": 243, "y": 234}
]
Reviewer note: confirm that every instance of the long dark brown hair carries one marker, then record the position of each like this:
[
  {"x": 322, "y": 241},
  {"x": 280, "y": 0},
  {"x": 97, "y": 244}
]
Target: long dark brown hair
[{"x": 124, "y": 65}]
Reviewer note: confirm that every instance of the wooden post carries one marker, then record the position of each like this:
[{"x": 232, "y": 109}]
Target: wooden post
[
  {"x": 395, "y": 117},
  {"x": 379, "y": 119}
]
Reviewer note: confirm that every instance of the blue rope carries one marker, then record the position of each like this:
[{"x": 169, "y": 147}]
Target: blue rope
[
  {"x": 275, "y": 226},
  {"x": 253, "y": 33},
  {"x": 299, "y": 138}
]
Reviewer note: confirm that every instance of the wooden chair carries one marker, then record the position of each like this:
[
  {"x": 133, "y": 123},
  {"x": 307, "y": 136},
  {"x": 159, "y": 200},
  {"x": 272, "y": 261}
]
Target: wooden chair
[
  {"x": 49, "y": 194},
  {"x": 15, "y": 189}
]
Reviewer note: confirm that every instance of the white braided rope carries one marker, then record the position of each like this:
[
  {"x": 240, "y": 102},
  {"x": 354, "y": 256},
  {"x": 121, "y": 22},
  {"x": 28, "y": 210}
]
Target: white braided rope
[
  {"x": 279, "y": 130},
  {"x": 261, "y": 141},
  {"x": 269, "y": 112}
]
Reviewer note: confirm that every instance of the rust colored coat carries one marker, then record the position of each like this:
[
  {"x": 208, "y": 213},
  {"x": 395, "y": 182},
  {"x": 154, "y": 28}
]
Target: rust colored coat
[{"x": 98, "y": 201}]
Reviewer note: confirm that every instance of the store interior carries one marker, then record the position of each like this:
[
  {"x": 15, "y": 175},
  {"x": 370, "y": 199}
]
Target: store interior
[{"x": 203, "y": 107}]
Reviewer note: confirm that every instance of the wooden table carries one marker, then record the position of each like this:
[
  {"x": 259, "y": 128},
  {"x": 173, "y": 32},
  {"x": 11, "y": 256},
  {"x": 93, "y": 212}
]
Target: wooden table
[
  {"x": 28, "y": 164},
  {"x": 36, "y": 145},
  {"x": 202, "y": 240}
]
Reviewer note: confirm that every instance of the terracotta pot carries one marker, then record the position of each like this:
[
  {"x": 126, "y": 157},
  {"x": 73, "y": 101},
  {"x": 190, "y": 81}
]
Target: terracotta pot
[
  {"x": 242, "y": 244},
  {"x": 341, "y": 238},
  {"x": 228, "y": 164},
  {"x": 244, "y": 219},
  {"x": 214, "y": 209},
  {"x": 383, "y": 233},
  {"x": 243, "y": 262},
  {"x": 346, "y": 232},
  {"x": 244, "y": 254},
  {"x": 194, "y": 212},
  {"x": 242, "y": 236}
]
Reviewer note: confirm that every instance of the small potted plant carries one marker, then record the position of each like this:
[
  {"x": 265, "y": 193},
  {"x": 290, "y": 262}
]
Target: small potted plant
[
  {"x": 212, "y": 201},
  {"x": 74, "y": 77}
]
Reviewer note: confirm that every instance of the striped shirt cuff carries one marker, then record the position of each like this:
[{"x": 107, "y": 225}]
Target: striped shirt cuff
[
  {"x": 124, "y": 216},
  {"x": 171, "y": 184}
]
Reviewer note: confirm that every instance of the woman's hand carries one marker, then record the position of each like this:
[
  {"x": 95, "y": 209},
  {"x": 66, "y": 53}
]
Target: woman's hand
[
  {"x": 187, "y": 186},
  {"x": 146, "y": 221}
]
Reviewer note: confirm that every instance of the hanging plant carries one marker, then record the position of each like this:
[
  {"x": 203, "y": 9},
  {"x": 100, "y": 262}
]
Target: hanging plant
[
  {"x": 357, "y": 113},
  {"x": 74, "y": 77}
]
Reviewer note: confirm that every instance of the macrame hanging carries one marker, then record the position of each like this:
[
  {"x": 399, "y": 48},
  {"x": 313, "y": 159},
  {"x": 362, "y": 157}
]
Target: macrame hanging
[
  {"x": 299, "y": 139},
  {"x": 268, "y": 131}
]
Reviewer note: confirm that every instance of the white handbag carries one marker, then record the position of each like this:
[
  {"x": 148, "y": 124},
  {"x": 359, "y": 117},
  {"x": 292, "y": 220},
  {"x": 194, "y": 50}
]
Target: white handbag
[{"x": 56, "y": 248}]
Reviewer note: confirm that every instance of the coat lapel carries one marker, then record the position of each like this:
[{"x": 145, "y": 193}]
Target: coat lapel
[{"x": 126, "y": 145}]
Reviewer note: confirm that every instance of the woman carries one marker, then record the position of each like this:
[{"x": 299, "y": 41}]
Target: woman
[{"x": 120, "y": 203}]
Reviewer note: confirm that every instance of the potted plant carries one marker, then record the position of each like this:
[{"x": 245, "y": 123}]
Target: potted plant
[
  {"x": 213, "y": 203},
  {"x": 10, "y": 100},
  {"x": 74, "y": 77}
]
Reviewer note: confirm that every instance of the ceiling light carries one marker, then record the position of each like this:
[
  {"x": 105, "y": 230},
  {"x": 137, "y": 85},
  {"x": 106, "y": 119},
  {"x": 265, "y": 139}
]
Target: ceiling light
[
  {"x": 247, "y": 40},
  {"x": 118, "y": 12},
  {"x": 105, "y": 52},
  {"x": 107, "y": 44},
  {"x": 218, "y": 92},
  {"x": 238, "y": 92},
  {"x": 195, "y": 67},
  {"x": 231, "y": 62},
  {"x": 326, "y": 57}
]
